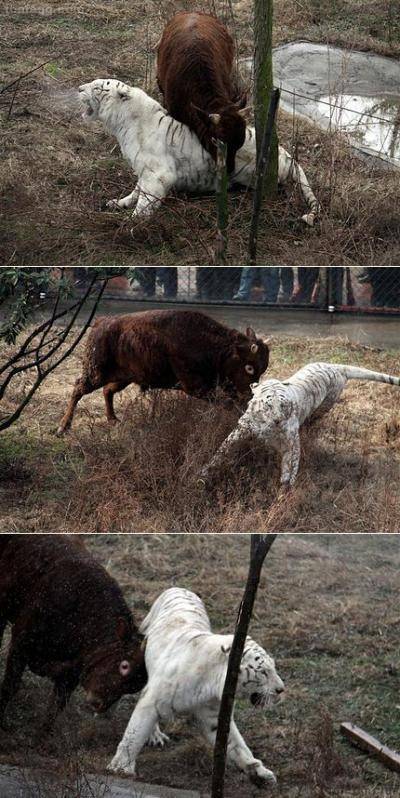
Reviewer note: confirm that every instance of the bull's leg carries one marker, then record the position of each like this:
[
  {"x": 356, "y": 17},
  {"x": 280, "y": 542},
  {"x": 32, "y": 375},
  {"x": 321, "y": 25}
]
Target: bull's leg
[
  {"x": 16, "y": 664},
  {"x": 82, "y": 387},
  {"x": 59, "y": 698},
  {"x": 109, "y": 390},
  {"x": 3, "y": 624}
]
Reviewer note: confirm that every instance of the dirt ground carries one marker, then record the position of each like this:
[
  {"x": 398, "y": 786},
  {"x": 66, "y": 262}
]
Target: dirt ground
[
  {"x": 327, "y": 610},
  {"x": 56, "y": 172},
  {"x": 142, "y": 475}
]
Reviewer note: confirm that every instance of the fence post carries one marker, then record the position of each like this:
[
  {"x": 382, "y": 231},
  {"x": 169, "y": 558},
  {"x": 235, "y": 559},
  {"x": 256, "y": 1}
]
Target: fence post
[
  {"x": 222, "y": 203},
  {"x": 259, "y": 548},
  {"x": 262, "y": 164}
]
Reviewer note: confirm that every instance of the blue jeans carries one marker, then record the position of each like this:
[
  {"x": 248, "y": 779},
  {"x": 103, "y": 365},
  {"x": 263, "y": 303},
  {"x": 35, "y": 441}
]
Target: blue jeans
[{"x": 269, "y": 281}]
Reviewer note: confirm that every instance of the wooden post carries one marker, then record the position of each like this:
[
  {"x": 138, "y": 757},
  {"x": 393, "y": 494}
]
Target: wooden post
[
  {"x": 263, "y": 86},
  {"x": 263, "y": 160},
  {"x": 222, "y": 204},
  {"x": 259, "y": 548}
]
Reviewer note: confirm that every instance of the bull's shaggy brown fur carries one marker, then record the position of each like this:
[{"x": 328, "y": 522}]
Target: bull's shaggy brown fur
[
  {"x": 70, "y": 623},
  {"x": 167, "y": 349},
  {"x": 194, "y": 73}
]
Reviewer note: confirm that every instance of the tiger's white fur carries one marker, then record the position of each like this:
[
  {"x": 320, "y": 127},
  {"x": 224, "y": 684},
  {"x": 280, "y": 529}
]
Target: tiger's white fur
[
  {"x": 165, "y": 154},
  {"x": 277, "y": 410},
  {"x": 186, "y": 664}
]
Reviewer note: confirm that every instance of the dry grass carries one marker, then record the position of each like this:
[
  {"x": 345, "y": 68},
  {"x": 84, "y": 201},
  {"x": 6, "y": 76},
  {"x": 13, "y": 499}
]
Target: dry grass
[
  {"x": 143, "y": 474},
  {"x": 327, "y": 609},
  {"x": 57, "y": 173}
]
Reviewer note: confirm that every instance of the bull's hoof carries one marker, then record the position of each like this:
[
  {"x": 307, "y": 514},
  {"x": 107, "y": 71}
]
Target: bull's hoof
[{"x": 61, "y": 431}]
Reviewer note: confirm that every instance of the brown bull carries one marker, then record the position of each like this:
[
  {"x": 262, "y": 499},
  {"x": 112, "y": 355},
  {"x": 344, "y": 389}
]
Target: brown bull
[
  {"x": 194, "y": 73},
  {"x": 181, "y": 349},
  {"x": 70, "y": 623}
]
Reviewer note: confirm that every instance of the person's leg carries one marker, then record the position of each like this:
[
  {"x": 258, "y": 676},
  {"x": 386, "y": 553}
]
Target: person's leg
[
  {"x": 169, "y": 278},
  {"x": 287, "y": 281},
  {"x": 270, "y": 283},
  {"x": 247, "y": 278}
]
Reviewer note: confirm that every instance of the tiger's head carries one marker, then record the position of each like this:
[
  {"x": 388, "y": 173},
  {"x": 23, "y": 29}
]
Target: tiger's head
[
  {"x": 100, "y": 94},
  {"x": 258, "y": 679}
]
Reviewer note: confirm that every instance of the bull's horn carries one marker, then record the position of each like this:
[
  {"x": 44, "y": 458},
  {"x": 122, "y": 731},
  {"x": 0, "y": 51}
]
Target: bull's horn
[
  {"x": 215, "y": 118},
  {"x": 254, "y": 348},
  {"x": 244, "y": 111}
]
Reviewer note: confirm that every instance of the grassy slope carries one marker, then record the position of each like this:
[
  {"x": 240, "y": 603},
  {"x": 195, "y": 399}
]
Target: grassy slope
[
  {"x": 57, "y": 173},
  {"x": 143, "y": 474},
  {"x": 327, "y": 610}
]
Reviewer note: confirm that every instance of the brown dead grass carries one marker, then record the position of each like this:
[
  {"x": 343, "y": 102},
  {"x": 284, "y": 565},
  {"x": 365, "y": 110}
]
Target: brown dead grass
[
  {"x": 57, "y": 172},
  {"x": 143, "y": 474},
  {"x": 327, "y": 610}
]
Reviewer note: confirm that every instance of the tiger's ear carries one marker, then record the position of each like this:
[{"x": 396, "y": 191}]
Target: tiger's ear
[
  {"x": 226, "y": 649},
  {"x": 123, "y": 94}
]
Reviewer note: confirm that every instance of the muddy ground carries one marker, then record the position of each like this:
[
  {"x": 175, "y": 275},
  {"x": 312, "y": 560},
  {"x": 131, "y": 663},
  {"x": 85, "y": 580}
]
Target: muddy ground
[
  {"x": 57, "y": 172},
  {"x": 327, "y": 610},
  {"x": 142, "y": 475}
]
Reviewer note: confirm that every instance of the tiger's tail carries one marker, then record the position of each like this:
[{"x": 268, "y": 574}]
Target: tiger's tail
[{"x": 358, "y": 373}]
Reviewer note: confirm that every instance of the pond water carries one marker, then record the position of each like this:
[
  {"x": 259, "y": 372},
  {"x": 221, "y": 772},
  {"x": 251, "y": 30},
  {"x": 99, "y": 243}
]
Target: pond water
[{"x": 357, "y": 93}]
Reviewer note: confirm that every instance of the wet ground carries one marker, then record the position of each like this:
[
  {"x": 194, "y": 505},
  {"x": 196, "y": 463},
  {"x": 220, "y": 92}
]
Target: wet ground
[
  {"x": 355, "y": 92},
  {"x": 18, "y": 783}
]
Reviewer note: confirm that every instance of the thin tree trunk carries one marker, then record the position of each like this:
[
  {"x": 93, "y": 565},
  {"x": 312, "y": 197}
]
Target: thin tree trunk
[
  {"x": 259, "y": 548},
  {"x": 262, "y": 165},
  {"x": 263, "y": 86},
  {"x": 222, "y": 204}
]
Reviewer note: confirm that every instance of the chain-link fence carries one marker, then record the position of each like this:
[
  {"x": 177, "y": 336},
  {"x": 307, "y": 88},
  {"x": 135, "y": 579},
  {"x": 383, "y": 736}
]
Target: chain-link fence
[{"x": 358, "y": 289}]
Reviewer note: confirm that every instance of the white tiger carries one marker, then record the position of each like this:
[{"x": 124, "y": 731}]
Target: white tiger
[
  {"x": 277, "y": 410},
  {"x": 186, "y": 665},
  {"x": 165, "y": 154}
]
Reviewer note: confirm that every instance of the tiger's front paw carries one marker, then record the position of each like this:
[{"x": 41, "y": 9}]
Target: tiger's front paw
[
  {"x": 260, "y": 775},
  {"x": 122, "y": 764},
  {"x": 158, "y": 739},
  {"x": 114, "y": 204}
]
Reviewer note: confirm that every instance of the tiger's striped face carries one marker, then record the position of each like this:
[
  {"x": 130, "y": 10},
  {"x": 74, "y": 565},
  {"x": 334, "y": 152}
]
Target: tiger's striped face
[
  {"x": 95, "y": 94},
  {"x": 258, "y": 678}
]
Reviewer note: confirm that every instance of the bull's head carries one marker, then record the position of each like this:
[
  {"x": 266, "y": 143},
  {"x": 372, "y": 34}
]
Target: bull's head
[
  {"x": 247, "y": 361},
  {"x": 229, "y": 126},
  {"x": 116, "y": 670}
]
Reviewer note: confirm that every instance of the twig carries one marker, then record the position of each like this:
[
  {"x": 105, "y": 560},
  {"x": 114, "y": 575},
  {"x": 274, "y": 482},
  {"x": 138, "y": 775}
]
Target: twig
[
  {"x": 221, "y": 192},
  {"x": 21, "y": 77}
]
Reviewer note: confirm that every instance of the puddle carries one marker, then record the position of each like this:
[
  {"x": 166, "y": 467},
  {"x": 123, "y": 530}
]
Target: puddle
[{"x": 357, "y": 93}]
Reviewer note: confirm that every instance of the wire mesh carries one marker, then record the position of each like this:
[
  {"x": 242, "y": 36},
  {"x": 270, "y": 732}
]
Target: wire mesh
[{"x": 343, "y": 288}]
